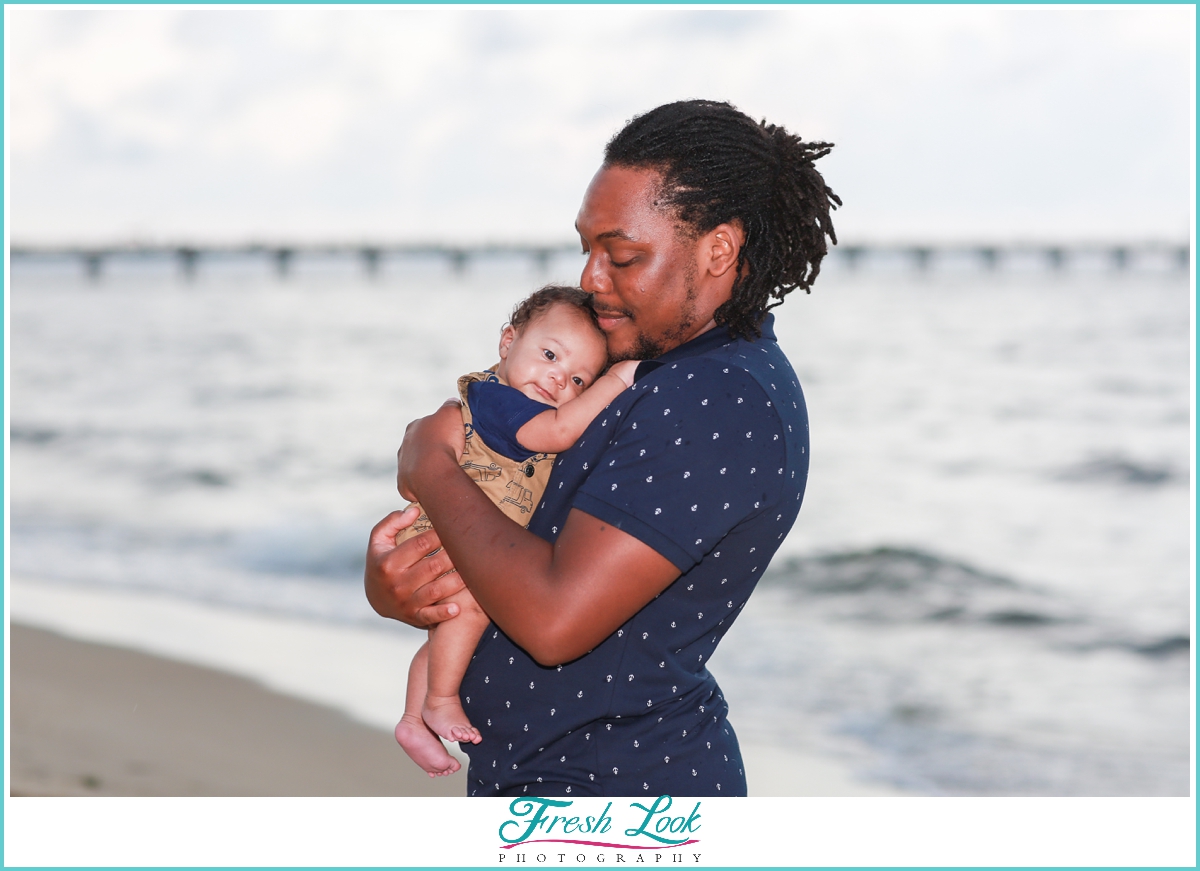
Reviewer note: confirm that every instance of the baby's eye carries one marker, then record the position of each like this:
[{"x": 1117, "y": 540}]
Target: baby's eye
[
  {"x": 578, "y": 381},
  {"x": 549, "y": 355}
]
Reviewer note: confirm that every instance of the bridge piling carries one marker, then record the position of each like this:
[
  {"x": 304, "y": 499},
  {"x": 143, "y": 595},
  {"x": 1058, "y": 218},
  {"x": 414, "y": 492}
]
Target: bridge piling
[
  {"x": 187, "y": 261},
  {"x": 370, "y": 259},
  {"x": 283, "y": 262},
  {"x": 93, "y": 264},
  {"x": 852, "y": 254}
]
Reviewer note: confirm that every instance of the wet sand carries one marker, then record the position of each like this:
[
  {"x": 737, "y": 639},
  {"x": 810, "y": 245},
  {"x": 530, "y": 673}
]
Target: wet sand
[{"x": 93, "y": 719}]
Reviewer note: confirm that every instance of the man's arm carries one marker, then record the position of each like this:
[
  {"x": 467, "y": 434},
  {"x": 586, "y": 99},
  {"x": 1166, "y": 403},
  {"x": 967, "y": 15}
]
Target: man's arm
[
  {"x": 556, "y": 601},
  {"x": 407, "y": 582},
  {"x": 557, "y": 429}
]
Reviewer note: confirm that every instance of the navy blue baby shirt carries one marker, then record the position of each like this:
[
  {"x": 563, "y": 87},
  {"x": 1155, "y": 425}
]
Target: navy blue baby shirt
[
  {"x": 705, "y": 460},
  {"x": 498, "y": 412}
]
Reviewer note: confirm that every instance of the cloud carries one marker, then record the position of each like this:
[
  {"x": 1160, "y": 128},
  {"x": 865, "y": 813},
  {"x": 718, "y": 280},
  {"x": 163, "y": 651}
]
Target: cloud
[{"x": 459, "y": 123}]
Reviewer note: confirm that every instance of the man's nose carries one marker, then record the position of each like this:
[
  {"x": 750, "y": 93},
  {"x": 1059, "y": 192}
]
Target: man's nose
[{"x": 593, "y": 279}]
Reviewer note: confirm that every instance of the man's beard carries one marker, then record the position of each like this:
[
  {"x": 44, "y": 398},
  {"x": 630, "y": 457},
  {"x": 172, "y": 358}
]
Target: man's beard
[
  {"x": 644, "y": 348},
  {"x": 647, "y": 348}
]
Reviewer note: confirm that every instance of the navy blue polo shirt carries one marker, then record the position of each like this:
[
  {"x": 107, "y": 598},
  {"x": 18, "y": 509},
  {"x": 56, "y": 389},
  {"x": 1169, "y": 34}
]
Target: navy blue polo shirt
[{"x": 704, "y": 459}]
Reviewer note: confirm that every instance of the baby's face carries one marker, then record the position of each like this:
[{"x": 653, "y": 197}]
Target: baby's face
[{"x": 554, "y": 357}]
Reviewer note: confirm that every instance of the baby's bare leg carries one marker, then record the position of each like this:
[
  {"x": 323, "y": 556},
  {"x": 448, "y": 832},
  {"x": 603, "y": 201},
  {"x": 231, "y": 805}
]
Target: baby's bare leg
[
  {"x": 418, "y": 741},
  {"x": 451, "y": 645}
]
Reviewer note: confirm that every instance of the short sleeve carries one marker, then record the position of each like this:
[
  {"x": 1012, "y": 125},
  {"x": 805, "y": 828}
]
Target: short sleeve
[
  {"x": 498, "y": 412},
  {"x": 695, "y": 454}
]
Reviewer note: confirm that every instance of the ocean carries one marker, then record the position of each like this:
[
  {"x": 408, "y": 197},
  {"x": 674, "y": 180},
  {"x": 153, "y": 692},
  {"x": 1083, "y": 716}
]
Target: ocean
[{"x": 987, "y": 592}]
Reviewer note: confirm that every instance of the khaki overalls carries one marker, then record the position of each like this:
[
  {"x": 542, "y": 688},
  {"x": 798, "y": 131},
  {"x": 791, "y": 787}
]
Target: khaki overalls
[{"x": 514, "y": 486}]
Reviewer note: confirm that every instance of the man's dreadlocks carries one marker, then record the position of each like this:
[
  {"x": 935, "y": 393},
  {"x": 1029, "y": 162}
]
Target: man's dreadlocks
[{"x": 718, "y": 166}]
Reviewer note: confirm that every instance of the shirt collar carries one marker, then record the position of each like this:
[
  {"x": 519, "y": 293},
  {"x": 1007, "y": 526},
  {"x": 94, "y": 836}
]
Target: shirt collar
[{"x": 702, "y": 344}]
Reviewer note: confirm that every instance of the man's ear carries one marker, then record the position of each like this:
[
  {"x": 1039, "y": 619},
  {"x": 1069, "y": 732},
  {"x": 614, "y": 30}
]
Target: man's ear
[
  {"x": 721, "y": 246},
  {"x": 507, "y": 335}
]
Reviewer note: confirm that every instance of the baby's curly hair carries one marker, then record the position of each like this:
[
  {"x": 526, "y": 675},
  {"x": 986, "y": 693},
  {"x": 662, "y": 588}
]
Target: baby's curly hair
[{"x": 542, "y": 300}]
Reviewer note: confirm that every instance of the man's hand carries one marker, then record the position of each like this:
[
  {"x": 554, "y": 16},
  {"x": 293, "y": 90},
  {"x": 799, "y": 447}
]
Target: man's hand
[
  {"x": 441, "y": 433},
  {"x": 406, "y": 582}
]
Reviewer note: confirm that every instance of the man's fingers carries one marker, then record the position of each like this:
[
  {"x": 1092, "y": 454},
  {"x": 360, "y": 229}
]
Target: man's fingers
[
  {"x": 418, "y": 560},
  {"x": 415, "y": 549},
  {"x": 424, "y": 572},
  {"x": 387, "y": 528},
  {"x": 383, "y": 534},
  {"x": 441, "y": 587}
]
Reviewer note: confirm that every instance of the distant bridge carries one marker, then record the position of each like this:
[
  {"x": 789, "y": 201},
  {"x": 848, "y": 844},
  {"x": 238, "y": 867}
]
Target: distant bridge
[{"x": 921, "y": 256}]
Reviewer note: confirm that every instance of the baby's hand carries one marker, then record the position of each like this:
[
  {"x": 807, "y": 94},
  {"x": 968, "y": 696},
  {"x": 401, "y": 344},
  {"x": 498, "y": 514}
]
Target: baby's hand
[{"x": 624, "y": 370}]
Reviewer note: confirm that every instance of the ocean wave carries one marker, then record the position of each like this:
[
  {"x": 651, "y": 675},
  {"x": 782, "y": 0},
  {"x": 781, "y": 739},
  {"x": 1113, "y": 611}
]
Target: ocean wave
[
  {"x": 895, "y": 585},
  {"x": 306, "y": 571},
  {"x": 1162, "y": 647},
  {"x": 1116, "y": 469},
  {"x": 33, "y": 435},
  {"x": 334, "y": 552},
  {"x": 201, "y": 477},
  {"x": 880, "y": 568}
]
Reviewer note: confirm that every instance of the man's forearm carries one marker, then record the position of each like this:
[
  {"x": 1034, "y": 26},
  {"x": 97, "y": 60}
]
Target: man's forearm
[
  {"x": 507, "y": 568},
  {"x": 556, "y": 601}
]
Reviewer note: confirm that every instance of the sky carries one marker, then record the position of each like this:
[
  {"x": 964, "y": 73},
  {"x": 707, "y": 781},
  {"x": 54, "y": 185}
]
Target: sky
[{"x": 160, "y": 124}]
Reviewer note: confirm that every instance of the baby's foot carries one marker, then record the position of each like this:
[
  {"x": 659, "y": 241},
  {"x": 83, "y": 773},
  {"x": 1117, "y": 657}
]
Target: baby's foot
[
  {"x": 424, "y": 748},
  {"x": 445, "y": 715}
]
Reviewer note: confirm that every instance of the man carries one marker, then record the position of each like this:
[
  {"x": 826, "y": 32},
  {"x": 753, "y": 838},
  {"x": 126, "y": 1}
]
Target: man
[{"x": 658, "y": 523}]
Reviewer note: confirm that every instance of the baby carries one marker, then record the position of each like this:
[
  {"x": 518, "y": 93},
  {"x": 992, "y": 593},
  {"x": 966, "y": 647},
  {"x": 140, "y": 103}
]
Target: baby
[{"x": 536, "y": 401}]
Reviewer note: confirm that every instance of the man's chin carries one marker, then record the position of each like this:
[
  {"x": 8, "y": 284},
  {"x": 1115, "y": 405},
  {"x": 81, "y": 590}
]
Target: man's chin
[
  {"x": 633, "y": 347},
  {"x": 621, "y": 355},
  {"x": 623, "y": 342}
]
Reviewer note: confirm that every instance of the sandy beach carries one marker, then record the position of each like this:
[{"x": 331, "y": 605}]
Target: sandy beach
[
  {"x": 130, "y": 694},
  {"x": 92, "y": 719}
]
